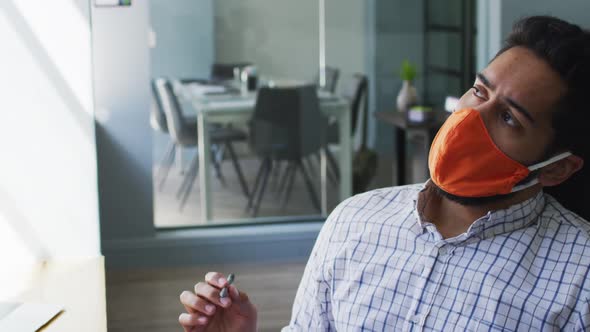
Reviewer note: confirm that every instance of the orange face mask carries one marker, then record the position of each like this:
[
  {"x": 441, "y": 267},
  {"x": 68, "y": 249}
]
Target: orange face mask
[{"x": 464, "y": 160}]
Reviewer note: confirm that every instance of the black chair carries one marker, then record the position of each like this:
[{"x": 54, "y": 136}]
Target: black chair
[
  {"x": 332, "y": 75},
  {"x": 355, "y": 90},
  {"x": 286, "y": 126},
  {"x": 185, "y": 134},
  {"x": 158, "y": 123}
]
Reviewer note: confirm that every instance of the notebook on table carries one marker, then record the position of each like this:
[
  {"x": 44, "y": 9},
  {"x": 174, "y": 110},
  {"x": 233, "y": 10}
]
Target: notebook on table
[{"x": 27, "y": 317}]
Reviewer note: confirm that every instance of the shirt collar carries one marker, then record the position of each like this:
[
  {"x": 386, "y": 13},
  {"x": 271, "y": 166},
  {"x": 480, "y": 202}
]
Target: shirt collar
[{"x": 494, "y": 222}]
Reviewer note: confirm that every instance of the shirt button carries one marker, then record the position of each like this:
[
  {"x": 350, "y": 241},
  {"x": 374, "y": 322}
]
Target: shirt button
[
  {"x": 418, "y": 319},
  {"x": 446, "y": 250}
]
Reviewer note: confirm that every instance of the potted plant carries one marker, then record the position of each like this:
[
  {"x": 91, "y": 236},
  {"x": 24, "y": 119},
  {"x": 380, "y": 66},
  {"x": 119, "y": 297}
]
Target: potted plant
[{"x": 407, "y": 96}]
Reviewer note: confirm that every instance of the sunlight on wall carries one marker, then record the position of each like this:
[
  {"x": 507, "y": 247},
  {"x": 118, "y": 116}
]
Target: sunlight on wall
[
  {"x": 21, "y": 265},
  {"x": 48, "y": 181},
  {"x": 64, "y": 32}
]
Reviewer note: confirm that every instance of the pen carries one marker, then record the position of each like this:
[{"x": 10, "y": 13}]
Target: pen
[{"x": 224, "y": 290}]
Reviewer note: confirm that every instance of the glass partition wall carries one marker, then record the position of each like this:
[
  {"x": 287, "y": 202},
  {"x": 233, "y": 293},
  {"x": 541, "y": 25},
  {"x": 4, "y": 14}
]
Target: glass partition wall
[{"x": 211, "y": 143}]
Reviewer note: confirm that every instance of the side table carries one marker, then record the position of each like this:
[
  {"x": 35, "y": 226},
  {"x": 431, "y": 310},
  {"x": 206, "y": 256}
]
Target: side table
[{"x": 399, "y": 120}]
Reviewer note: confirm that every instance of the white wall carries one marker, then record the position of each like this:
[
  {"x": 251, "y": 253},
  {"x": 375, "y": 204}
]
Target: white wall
[
  {"x": 282, "y": 36},
  {"x": 346, "y": 48},
  {"x": 346, "y": 36},
  {"x": 279, "y": 36},
  {"x": 184, "y": 38},
  {"x": 489, "y": 37},
  {"x": 48, "y": 178}
]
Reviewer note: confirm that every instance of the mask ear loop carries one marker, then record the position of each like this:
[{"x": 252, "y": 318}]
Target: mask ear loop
[{"x": 538, "y": 166}]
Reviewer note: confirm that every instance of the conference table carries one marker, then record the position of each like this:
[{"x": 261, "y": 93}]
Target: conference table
[{"x": 237, "y": 108}]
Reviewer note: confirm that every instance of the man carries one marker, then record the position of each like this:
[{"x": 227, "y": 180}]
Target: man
[{"x": 477, "y": 247}]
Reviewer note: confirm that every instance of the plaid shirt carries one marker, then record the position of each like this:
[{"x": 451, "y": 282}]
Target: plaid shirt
[{"x": 377, "y": 266}]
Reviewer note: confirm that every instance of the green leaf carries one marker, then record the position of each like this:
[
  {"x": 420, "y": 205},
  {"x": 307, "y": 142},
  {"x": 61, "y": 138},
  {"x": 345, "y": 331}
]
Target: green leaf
[{"x": 408, "y": 71}]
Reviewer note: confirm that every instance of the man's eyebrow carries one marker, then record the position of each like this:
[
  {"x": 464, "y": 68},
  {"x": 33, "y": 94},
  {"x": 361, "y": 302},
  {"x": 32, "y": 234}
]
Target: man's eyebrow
[
  {"x": 485, "y": 81},
  {"x": 520, "y": 109},
  {"x": 512, "y": 103}
]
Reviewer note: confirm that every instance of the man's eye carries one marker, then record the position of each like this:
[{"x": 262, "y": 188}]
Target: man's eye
[
  {"x": 507, "y": 117},
  {"x": 477, "y": 92}
]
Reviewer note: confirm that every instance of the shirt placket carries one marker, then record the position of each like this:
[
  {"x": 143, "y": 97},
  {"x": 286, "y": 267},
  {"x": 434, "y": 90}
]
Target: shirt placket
[{"x": 434, "y": 267}]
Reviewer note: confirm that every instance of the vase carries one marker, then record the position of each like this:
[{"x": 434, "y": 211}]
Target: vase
[{"x": 407, "y": 97}]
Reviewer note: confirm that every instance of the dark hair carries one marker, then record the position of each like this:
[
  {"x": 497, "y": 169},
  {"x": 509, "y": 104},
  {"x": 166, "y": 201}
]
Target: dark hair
[{"x": 566, "y": 48}]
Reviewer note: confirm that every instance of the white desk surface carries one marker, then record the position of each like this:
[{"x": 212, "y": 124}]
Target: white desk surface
[{"x": 77, "y": 286}]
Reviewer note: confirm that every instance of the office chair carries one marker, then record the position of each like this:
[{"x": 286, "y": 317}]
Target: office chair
[
  {"x": 158, "y": 123},
  {"x": 286, "y": 126},
  {"x": 185, "y": 134},
  {"x": 355, "y": 90}
]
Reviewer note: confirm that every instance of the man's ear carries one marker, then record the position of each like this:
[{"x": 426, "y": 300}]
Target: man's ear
[{"x": 560, "y": 171}]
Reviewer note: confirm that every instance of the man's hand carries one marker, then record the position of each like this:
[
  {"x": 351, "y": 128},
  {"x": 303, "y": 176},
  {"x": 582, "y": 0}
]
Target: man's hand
[{"x": 206, "y": 311}]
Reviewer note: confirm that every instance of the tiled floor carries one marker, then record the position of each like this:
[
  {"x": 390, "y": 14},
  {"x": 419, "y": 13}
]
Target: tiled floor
[{"x": 229, "y": 203}]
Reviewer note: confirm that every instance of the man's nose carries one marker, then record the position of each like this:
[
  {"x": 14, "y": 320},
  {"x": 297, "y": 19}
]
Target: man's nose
[{"x": 486, "y": 110}]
